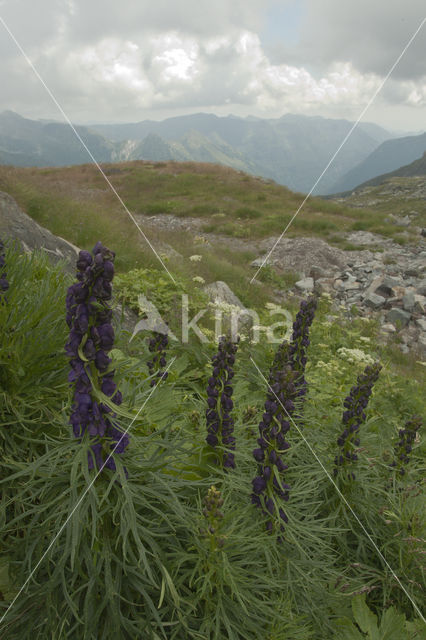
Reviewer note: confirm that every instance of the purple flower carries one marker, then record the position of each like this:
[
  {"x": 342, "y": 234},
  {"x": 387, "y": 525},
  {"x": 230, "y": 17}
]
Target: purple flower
[
  {"x": 300, "y": 341},
  {"x": 4, "y": 285},
  {"x": 354, "y": 417},
  {"x": 403, "y": 447},
  {"x": 279, "y": 405},
  {"x": 220, "y": 424},
  {"x": 91, "y": 337},
  {"x": 157, "y": 346}
]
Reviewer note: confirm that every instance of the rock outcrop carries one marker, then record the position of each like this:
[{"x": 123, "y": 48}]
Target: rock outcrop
[{"x": 17, "y": 225}]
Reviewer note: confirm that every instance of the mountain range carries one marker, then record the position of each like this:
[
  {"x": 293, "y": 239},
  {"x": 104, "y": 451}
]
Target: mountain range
[
  {"x": 388, "y": 157},
  {"x": 416, "y": 168},
  {"x": 292, "y": 150}
]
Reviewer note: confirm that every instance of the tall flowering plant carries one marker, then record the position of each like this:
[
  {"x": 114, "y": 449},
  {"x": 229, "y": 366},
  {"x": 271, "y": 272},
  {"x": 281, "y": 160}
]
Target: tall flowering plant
[
  {"x": 220, "y": 424},
  {"x": 269, "y": 488},
  {"x": 354, "y": 416},
  {"x": 91, "y": 337},
  {"x": 4, "y": 284},
  {"x": 157, "y": 345},
  {"x": 300, "y": 341},
  {"x": 404, "y": 446}
]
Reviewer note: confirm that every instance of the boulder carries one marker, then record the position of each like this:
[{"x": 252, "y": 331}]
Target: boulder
[
  {"x": 17, "y": 225},
  {"x": 373, "y": 301},
  {"x": 224, "y": 299},
  {"x": 398, "y": 317},
  {"x": 408, "y": 301},
  {"x": 306, "y": 285},
  {"x": 388, "y": 327}
]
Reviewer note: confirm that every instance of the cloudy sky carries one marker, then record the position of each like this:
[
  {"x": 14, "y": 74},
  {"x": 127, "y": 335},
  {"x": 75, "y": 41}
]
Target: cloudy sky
[{"x": 129, "y": 60}]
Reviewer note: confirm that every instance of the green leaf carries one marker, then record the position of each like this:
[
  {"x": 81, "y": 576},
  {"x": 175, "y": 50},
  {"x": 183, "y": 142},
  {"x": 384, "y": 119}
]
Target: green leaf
[
  {"x": 392, "y": 625},
  {"x": 366, "y": 619}
]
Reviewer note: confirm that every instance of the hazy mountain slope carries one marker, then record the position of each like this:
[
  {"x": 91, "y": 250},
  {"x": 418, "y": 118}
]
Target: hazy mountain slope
[
  {"x": 416, "y": 168},
  {"x": 390, "y": 155},
  {"x": 27, "y": 143},
  {"x": 293, "y": 150}
]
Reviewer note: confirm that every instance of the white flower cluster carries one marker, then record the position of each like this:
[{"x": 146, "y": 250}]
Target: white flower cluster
[
  {"x": 227, "y": 308},
  {"x": 195, "y": 258},
  {"x": 198, "y": 279},
  {"x": 354, "y": 355},
  {"x": 330, "y": 368}
]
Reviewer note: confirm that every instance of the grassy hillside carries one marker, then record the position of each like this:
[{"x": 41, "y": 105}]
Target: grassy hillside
[
  {"x": 396, "y": 194},
  {"x": 75, "y": 202}
]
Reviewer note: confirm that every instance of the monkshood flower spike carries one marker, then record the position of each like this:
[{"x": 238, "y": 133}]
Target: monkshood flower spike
[
  {"x": 213, "y": 516},
  {"x": 157, "y": 346},
  {"x": 354, "y": 416},
  {"x": 269, "y": 488},
  {"x": 91, "y": 337},
  {"x": 220, "y": 424},
  {"x": 404, "y": 446},
  {"x": 300, "y": 341},
  {"x": 4, "y": 284}
]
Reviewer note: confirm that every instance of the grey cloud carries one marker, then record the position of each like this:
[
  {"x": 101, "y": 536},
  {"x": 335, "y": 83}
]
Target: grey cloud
[{"x": 369, "y": 34}]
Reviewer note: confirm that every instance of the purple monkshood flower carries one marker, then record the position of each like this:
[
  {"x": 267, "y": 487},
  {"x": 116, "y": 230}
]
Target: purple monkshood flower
[
  {"x": 4, "y": 284},
  {"x": 220, "y": 424},
  {"x": 269, "y": 489},
  {"x": 91, "y": 338},
  {"x": 157, "y": 346},
  {"x": 354, "y": 416},
  {"x": 404, "y": 446},
  {"x": 300, "y": 341}
]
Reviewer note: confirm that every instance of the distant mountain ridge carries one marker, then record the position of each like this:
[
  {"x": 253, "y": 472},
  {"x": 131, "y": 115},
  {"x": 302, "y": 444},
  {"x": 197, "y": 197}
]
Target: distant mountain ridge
[
  {"x": 292, "y": 150},
  {"x": 416, "y": 168},
  {"x": 388, "y": 157},
  {"x": 36, "y": 143}
]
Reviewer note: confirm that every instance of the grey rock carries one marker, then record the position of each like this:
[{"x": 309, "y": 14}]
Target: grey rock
[
  {"x": 408, "y": 301},
  {"x": 17, "y": 225},
  {"x": 421, "y": 323},
  {"x": 398, "y": 317},
  {"x": 305, "y": 285},
  {"x": 219, "y": 292},
  {"x": 317, "y": 272},
  {"x": 324, "y": 285},
  {"x": 419, "y": 304},
  {"x": 402, "y": 222},
  {"x": 373, "y": 301},
  {"x": 388, "y": 327},
  {"x": 384, "y": 290},
  {"x": 421, "y": 345}
]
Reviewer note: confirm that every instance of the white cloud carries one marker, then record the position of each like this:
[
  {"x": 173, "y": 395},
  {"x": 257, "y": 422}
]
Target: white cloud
[{"x": 132, "y": 60}]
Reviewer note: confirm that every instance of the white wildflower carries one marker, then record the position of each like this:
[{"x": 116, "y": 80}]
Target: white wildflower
[
  {"x": 195, "y": 258},
  {"x": 354, "y": 355},
  {"x": 198, "y": 279}
]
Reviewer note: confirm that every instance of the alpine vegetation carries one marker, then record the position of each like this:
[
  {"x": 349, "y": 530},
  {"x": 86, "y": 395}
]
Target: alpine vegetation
[
  {"x": 157, "y": 345},
  {"x": 91, "y": 338},
  {"x": 300, "y": 341},
  {"x": 268, "y": 486},
  {"x": 164, "y": 544},
  {"x": 213, "y": 517},
  {"x": 404, "y": 447},
  {"x": 354, "y": 416},
  {"x": 4, "y": 285},
  {"x": 220, "y": 424}
]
